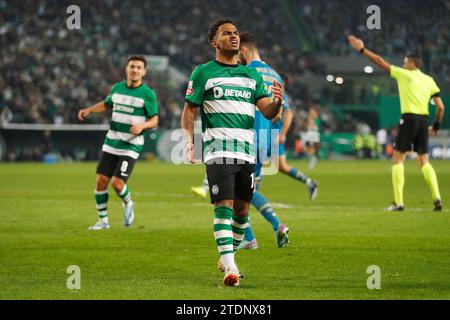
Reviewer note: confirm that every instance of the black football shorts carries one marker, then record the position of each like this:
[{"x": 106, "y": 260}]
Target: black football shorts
[
  {"x": 230, "y": 181},
  {"x": 117, "y": 166},
  {"x": 413, "y": 134}
]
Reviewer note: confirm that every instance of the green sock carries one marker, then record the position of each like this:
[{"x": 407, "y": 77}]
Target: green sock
[
  {"x": 101, "y": 200},
  {"x": 223, "y": 232},
  {"x": 125, "y": 194},
  {"x": 430, "y": 177},
  {"x": 398, "y": 182},
  {"x": 239, "y": 226}
]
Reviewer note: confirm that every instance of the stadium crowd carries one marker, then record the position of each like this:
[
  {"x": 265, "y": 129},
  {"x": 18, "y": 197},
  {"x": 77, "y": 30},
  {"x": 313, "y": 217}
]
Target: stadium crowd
[
  {"x": 406, "y": 26},
  {"x": 48, "y": 71}
]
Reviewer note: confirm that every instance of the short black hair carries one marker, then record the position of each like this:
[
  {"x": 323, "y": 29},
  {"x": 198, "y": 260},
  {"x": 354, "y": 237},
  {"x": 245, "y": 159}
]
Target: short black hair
[
  {"x": 416, "y": 58},
  {"x": 213, "y": 27},
  {"x": 248, "y": 38},
  {"x": 137, "y": 58}
]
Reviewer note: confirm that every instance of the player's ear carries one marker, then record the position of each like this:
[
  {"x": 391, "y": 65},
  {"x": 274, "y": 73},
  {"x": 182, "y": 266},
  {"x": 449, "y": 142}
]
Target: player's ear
[{"x": 214, "y": 43}]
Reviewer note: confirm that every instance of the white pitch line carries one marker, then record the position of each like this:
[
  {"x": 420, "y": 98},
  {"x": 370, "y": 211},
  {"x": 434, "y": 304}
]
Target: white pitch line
[
  {"x": 173, "y": 195},
  {"x": 201, "y": 204},
  {"x": 424, "y": 210},
  {"x": 277, "y": 205}
]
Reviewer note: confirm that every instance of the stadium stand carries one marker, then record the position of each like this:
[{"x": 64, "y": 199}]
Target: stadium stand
[{"x": 48, "y": 71}]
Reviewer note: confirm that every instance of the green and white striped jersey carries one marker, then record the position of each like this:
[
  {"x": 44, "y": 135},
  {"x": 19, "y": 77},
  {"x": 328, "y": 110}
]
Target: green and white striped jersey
[
  {"x": 227, "y": 96},
  {"x": 130, "y": 106}
]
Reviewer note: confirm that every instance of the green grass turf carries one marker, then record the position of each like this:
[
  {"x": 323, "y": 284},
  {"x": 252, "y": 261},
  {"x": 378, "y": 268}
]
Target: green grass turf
[{"x": 169, "y": 253}]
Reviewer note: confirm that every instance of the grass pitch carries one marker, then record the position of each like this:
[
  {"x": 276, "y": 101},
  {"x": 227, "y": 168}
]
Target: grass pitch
[{"x": 169, "y": 253}]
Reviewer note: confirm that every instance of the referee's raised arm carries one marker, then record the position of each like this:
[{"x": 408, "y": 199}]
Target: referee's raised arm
[{"x": 358, "y": 45}]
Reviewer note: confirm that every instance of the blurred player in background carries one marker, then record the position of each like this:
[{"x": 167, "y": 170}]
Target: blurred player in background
[
  {"x": 249, "y": 56},
  {"x": 312, "y": 137},
  {"x": 134, "y": 110},
  {"x": 415, "y": 91},
  {"x": 227, "y": 95},
  {"x": 282, "y": 124}
]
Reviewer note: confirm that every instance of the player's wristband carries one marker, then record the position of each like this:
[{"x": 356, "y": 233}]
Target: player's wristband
[
  {"x": 436, "y": 126},
  {"x": 362, "y": 50}
]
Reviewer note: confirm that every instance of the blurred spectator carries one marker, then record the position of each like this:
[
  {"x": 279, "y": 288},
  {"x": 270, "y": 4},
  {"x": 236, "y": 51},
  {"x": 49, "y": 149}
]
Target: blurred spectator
[
  {"x": 403, "y": 30},
  {"x": 365, "y": 143},
  {"x": 48, "y": 72},
  {"x": 382, "y": 139}
]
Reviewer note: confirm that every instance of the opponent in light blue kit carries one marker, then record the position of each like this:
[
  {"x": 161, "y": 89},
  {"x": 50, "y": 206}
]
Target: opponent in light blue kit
[
  {"x": 282, "y": 124},
  {"x": 250, "y": 56}
]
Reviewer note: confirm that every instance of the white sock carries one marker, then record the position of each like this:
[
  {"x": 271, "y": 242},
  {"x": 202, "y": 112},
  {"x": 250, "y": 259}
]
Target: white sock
[
  {"x": 308, "y": 182},
  {"x": 228, "y": 260}
]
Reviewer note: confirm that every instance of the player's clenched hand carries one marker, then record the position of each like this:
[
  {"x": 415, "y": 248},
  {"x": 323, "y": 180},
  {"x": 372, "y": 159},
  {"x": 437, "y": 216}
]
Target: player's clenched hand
[
  {"x": 277, "y": 92},
  {"x": 82, "y": 114},
  {"x": 432, "y": 132},
  {"x": 356, "y": 43},
  {"x": 136, "y": 129}
]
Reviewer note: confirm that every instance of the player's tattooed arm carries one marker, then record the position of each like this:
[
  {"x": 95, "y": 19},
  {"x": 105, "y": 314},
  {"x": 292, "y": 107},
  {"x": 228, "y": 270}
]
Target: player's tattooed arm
[
  {"x": 187, "y": 124},
  {"x": 358, "y": 45},
  {"x": 96, "y": 108},
  {"x": 187, "y": 120},
  {"x": 271, "y": 107}
]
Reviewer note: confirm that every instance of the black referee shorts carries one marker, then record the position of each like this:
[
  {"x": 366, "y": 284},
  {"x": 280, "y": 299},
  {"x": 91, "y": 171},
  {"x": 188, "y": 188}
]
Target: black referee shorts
[
  {"x": 230, "y": 181},
  {"x": 413, "y": 134}
]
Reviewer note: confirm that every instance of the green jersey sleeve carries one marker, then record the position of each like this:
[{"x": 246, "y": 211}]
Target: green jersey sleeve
[
  {"x": 260, "y": 90},
  {"x": 196, "y": 88},
  {"x": 151, "y": 104},
  {"x": 108, "y": 99}
]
